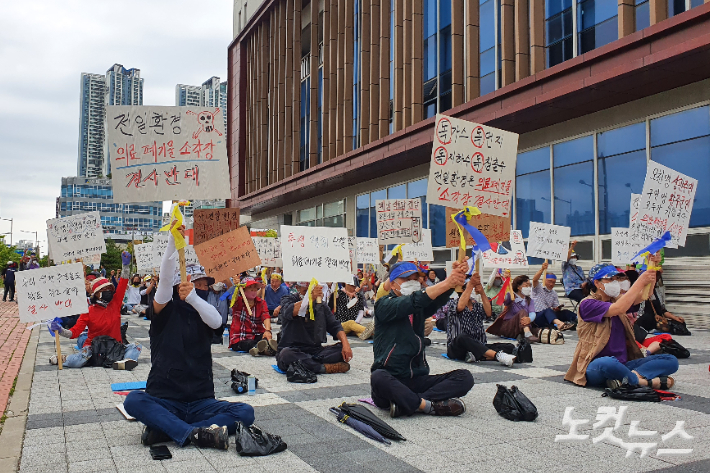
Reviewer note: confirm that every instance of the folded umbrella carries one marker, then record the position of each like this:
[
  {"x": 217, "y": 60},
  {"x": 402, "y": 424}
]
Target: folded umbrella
[
  {"x": 363, "y": 414},
  {"x": 361, "y": 427}
]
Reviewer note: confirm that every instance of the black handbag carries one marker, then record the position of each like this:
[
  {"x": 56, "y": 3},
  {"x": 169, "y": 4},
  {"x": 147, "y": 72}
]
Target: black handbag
[
  {"x": 632, "y": 393},
  {"x": 514, "y": 405},
  {"x": 240, "y": 381},
  {"x": 297, "y": 373},
  {"x": 253, "y": 442},
  {"x": 674, "y": 348},
  {"x": 677, "y": 328},
  {"x": 523, "y": 352}
]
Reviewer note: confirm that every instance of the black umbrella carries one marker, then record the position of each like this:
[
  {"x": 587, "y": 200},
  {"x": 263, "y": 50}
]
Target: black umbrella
[
  {"x": 361, "y": 427},
  {"x": 363, "y": 414}
]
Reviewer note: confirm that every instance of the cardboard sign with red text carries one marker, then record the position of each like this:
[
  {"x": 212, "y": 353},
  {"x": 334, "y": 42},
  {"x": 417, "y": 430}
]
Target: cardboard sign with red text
[
  {"x": 211, "y": 223},
  {"x": 45, "y": 293},
  {"x": 493, "y": 227},
  {"x": 228, "y": 254}
]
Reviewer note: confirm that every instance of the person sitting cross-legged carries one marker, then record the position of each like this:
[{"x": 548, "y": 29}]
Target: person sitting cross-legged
[
  {"x": 251, "y": 332},
  {"x": 400, "y": 377},
  {"x": 350, "y": 308},
  {"x": 273, "y": 294},
  {"x": 179, "y": 402},
  {"x": 548, "y": 310},
  {"x": 303, "y": 331}
]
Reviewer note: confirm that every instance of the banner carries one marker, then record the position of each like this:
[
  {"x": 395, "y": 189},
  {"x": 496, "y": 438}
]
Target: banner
[
  {"x": 45, "y": 293},
  {"x": 228, "y": 255},
  {"x": 472, "y": 164},
  {"x": 399, "y": 221},
  {"x": 76, "y": 236},
  {"x": 508, "y": 254},
  {"x": 634, "y": 218},
  {"x": 493, "y": 227},
  {"x": 421, "y": 251},
  {"x": 144, "y": 257},
  {"x": 368, "y": 251},
  {"x": 167, "y": 153},
  {"x": 666, "y": 204},
  {"x": 211, "y": 223},
  {"x": 548, "y": 241},
  {"x": 315, "y": 252},
  {"x": 623, "y": 248}
]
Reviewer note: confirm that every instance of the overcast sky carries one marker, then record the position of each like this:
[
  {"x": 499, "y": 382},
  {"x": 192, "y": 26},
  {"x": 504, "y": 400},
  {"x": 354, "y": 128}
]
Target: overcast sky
[{"x": 46, "y": 45}]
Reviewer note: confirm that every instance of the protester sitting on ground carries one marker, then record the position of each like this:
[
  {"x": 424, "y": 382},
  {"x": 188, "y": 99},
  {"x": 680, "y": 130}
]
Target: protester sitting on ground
[
  {"x": 495, "y": 290},
  {"x": 273, "y": 294},
  {"x": 607, "y": 353},
  {"x": 573, "y": 276},
  {"x": 465, "y": 336},
  {"x": 133, "y": 294},
  {"x": 350, "y": 309},
  {"x": 431, "y": 279},
  {"x": 251, "y": 333},
  {"x": 147, "y": 293},
  {"x": 517, "y": 318},
  {"x": 103, "y": 318},
  {"x": 216, "y": 291},
  {"x": 303, "y": 331},
  {"x": 547, "y": 304},
  {"x": 179, "y": 402},
  {"x": 400, "y": 377}
]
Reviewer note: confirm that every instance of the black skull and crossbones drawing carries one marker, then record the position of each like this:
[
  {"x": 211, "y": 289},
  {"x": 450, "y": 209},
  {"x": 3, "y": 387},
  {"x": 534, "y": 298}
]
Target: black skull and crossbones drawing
[{"x": 206, "y": 120}]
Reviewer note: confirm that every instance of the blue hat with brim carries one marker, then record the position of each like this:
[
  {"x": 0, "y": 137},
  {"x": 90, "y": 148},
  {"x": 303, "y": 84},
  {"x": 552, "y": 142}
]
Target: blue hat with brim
[
  {"x": 603, "y": 270},
  {"x": 403, "y": 269}
]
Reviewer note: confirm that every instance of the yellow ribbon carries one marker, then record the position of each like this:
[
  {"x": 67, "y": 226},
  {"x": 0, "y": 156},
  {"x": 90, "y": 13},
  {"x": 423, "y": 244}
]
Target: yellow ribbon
[
  {"x": 397, "y": 251},
  {"x": 235, "y": 295},
  {"x": 263, "y": 276},
  {"x": 314, "y": 283},
  {"x": 176, "y": 216},
  {"x": 469, "y": 211},
  {"x": 649, "y": 265}
]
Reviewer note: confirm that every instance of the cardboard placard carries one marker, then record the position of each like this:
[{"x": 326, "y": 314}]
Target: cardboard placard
[
  {"x": 167, "y": 153},
  {"x": 315, "y": 252},
  {"x": 228, "y": 255},
  {"x": 45, "y": 293},
  {"x": 623, "y": 248},
  {"x": 472, "y": 164},
  {"x": 509, "y": 254},
  {"x": 421, "y": 251},
  {"x": 211, "y": 223},
  {"x": 368, "y": 251},
  {"x": 399, "y": 221},
  {"x": 76, "y": 236},
  {"x": 548, "y": 241},
  {"x": 493, "y": 227}
]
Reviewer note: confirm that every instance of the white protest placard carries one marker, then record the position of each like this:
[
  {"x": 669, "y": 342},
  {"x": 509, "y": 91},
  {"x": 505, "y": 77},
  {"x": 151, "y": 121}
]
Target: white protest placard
[
  {"x": 144, "y": 257},
  {"x": 266, "y": 247},
  {"x": 315, "y": 252},
  {"x": 93, "y": 260},
  {"x": 167, "y": 153},
  {"x": 548, "y": 241},
  {"x": 509, "y": 254},
  {"x": 666, "y": 204},
  {"x": 634, "y": 217},
  {"x": 76, "y": 236},
  {"x": 45, "y": 293},
  {"x": 421, "y": 251},
  {"x": 191, "y": 256},
  {"x": 352, "y": 249},
  {"x": 472, "y": 164},
  {"x": 278, "y": 261},
  {"x": 160, "y": 244},
  {"x": 368, "y": 251},
  {"x": 399, "y": 221},
  {"x": 623, "y": 248}
]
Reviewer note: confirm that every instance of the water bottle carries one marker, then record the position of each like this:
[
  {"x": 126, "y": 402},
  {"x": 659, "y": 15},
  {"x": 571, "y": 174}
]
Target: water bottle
[
  {"x": 251, "y": 383},
  {"x": 225, "y": 336}
]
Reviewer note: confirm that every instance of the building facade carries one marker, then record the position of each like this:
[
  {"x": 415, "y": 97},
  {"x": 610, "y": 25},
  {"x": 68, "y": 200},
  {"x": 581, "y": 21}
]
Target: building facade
[
  {"x": 212, "y": 93},
  {"x": 188, "y": 95}
]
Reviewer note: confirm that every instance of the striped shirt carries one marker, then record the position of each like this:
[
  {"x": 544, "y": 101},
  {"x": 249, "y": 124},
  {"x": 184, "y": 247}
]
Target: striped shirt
[
  {"x": 468, "y": 321},
  {"x": 544, "y": 298}
]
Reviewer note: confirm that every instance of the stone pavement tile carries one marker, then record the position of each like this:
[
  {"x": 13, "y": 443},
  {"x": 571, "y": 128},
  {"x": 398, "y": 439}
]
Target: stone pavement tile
[
  {"x": 90, "y": 466},
  {"x": 153, "y": 467},
  {"x": 48, "y": 458},
  {"x": 52, "y": 421},
  {"x": 187, "y": 466},
  {"x": 93, "y": 436},
  {"x": 131, "y": 454},
  {"x": 497, "y": 377},
  {"x": 701, "y": 466},
  {"x": 88, "y": 453},
  {"x": 335, "y": 462},
  {"x": 78, "y": 445},
  {"x": 56, "y": 468},
  {"x": 45, "y": 368}
]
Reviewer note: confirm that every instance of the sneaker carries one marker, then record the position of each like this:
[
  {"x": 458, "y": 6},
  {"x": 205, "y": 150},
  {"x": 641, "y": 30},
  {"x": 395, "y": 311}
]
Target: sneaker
[
  {"x": 340, "y": 367},
  {"x": 394, "y": 410},
  {"x": 613, "y": 383},
  {"x": 505, "y": 359},
  {"x": 368, "y": 332},
  {"x": 126, "y": 364},
  {"x": 262, "y": 346},
  {"x": 152, "y": 436},
  {"x": 254, "y": 351},
  {"x": 53, "y": 358},
  {"x": 470, "y": 358},
  {"x": 214, "y": 436},
  {"x": 449, "y": 407},
  {"x": 274, "y": 345}
]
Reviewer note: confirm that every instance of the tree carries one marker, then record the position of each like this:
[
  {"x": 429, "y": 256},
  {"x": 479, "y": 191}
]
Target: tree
[{"x": 112, "y": 258}]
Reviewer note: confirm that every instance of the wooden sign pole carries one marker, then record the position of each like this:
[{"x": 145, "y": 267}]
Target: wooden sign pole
[
  {"x": 59, "y": 349},
  {"x": 544, "y": 273},
  {"x": 183, "y": 269},
  {"x": 246, "y": 302},
  {"x": 649, "y": 287}
]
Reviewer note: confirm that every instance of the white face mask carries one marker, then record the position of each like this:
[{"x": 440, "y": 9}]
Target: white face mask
[
  {"x": 612, "y": 289},
  {"x": 409, "y": 287},
  {"x": 625, "y": 285},
  {"x": 526, "y": 291},
  {"x": 573, "y": 261}
]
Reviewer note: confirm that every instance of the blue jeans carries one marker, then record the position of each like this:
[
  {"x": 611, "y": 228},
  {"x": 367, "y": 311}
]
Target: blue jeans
[
  {"x": 81, "y": 339},
  {"x": 545, "y": 317},
  {"x": 177, "y": 419},
  {"x": 81, "y": 358},
  {"x": 608, "y": 367}
]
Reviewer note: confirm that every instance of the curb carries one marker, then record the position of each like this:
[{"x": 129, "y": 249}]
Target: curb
[{"x": 13, "y": 431}]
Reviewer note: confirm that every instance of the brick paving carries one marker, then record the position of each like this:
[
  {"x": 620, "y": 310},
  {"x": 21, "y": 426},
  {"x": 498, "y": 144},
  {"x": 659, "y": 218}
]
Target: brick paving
[{"x": 13, "y": 342}]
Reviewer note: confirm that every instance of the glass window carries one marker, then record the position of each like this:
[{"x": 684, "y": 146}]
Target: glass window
[
  {"x": 675, "y": 7},
  {"x": 362, "y": 215},
  {"x": 486, "y": 37},
  {"x": 334, "y": 208},
  {"x": 619, "y": 177},
  {"x": 680, "y": 126},
  {"x": 397, "y": 192},
  {"x": 438, "y": 225},
  {"x": 307, "y": 214},
  {"x": 532, "y": 200},
  {"x": 416, "y": 188},
  {"x": 643, "y": 14},
  {"x": 558, "y": 31},
  {"x": 574, "y": 198},
  {"x": 574, "y": 151},
  {"x": 621, "y": 140},
  {"x": 533, "y": 161}
]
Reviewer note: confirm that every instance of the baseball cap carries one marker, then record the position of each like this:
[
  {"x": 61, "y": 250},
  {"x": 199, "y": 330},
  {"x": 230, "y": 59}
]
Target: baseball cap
[
  {"x": 403, "y": 269},
  {"x": 250, "y": 282},
  {"x": 602, "y": 270}
]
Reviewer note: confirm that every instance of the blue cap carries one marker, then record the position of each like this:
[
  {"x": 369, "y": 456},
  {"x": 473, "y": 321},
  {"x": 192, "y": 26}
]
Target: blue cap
[
  {"x": 403, "y": 269},
  {"x": 602, "y": 270}
]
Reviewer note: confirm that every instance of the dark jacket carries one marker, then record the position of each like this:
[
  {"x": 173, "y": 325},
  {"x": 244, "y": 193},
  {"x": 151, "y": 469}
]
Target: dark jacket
[
  {"x": 399, "y": 344},
  {"x": 302, "y": 332},
  {"x": 9, "y": 276}
]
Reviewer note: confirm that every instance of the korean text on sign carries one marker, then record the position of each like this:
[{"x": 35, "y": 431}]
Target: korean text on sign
[
  {"x": 228, "y": 255},
  {"x": 493, "y": 227},
  {"x": 76, "y": 236},
  {"x": 548, "y": 241},
  {"x": 510, "y": 254},
  {"x": 269, "y": 250},
  {"x": 666, "y": 204},
  {"x": 472, "y": 164},
  {"x": 211, "y": 223},
  {"x": 368, "y": 251},
  {"x": 160, "y": 245},
  {"x": 144, "y": 257},
  {"x": 399, "y": 221},
  {"x": 623, "y": 248},
  {"x": 634, "y": 218},
  {"x": 315, "y": 252},
  {"x": 421, "y": 251},
  {"x": 167, "y": 153},
  {"x": 45, "y": 293}
]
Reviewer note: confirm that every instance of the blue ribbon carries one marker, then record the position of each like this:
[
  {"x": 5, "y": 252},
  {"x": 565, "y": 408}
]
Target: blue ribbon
[
  {"x": 654, "y": 247},
  {"x": 227, "y": 294},
  {"x": 481, "y": 241}
]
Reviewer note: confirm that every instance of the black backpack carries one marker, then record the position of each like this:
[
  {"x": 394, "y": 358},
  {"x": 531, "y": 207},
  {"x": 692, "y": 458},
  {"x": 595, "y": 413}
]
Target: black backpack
[
  {"x": 523, "y": 352},
  {"x": 105, "y": 351},
  {"x": 674, "y": 348}
]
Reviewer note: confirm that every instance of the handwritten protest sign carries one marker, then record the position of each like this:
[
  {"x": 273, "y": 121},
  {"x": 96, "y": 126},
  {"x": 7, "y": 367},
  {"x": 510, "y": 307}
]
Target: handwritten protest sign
[
  {"x": 368, "y": 251},
  {"x": 472, "y": 164},
  {"x": 399, "y": 221},
  {"x": 211, "y": 223},
  {"x": 548, "y": 241},
  {"x": 144, "y": 257},
  {"x": 420, "y": 251},
  {"x": 76, "y": 236},
  {"x": 191, "y": 255},
  {"x": 45, "y": 293},
  {"x": 92, "y": 260},
  {"x": 269, "y": 250},
  {"x": 623, "y": 248},
  {"x": 666, "y": 204},
  {"x": 352, "y": 250},
  {"x": 167, "y": 153},
  {"x": 509, "y": 254},
  {"x": 315, "y": 252},
  {"x": 634, "y": 217},
  {"x": 493, "y": 227},
  {"x": 160, "y": 245},
  {"x": 228, "y": 254}
]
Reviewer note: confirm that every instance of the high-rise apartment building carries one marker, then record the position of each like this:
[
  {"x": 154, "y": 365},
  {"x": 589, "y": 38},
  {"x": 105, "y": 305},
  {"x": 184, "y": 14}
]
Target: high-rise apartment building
[
  {"x": 188, "y": 95},
  {"x": 212, "y": 93},
  {"x": 123, "y": 87}
]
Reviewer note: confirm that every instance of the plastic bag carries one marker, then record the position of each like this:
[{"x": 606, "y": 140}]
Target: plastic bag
[
  {"x": 297, "y": 373},
  {"x": 678, "y": 328},
  {"x": 523, "y": 352},
  {"x": 632, "y": 393},
  {"x": 240, "y": 381},
  {"x": 105, "y": 351},
  {"x": 674, "y": 348},
  {"x": 514, "y": 405},
  {"x": 253, "y": 442}
]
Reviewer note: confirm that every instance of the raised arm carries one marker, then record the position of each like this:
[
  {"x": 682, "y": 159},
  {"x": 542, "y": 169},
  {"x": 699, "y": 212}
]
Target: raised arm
[
  {"x": 571, "y": 249},
  {"x": 164, "y": 293},
  {"x": 627, "y": 300},
  {"x": 536, "y": 277}
]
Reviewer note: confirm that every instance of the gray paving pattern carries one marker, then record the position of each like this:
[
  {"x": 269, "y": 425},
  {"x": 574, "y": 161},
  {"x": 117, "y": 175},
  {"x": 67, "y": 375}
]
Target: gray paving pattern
[{"x": 74, "y": 426}]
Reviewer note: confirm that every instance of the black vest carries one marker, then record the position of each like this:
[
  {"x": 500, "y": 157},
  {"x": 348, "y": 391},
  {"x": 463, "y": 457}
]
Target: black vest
[{"x": 181, "y": 354}]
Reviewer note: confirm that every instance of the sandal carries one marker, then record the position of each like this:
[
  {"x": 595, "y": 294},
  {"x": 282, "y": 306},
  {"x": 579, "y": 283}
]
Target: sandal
[
  {"x": 566, "y": 326},
  {"x": 664, "y": 382}
]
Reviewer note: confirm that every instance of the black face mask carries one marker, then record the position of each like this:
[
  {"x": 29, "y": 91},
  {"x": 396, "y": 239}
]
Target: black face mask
[
  {"x": 202, "y": 293},
  {"x": 106, "y": 296}
]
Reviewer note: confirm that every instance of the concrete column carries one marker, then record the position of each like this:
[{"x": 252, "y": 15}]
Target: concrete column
[
  {"x": 457, "y": 52},
  {"x": 313, "y": 128},
  {"x": 627, "y": 17},
  {"x": 349, "y": 70},
  {"x": 507, "y": 12},
  {"x": 333, "y": 119},
  {"x": 326, "y": 81},
  {"x": 522, "y": 40},
  {"x": 342, "y": 12},
  {"x": 364, "y": 79},
  {"x": 472, "y": 51},
  {"x": 295, "y": 157},
  {"x": 288, "y": 96},
  {"x": 407, "y": 69},
  {"x": 537, "y": 36},
  {"x": 417, "y": 61},
  {"x": 264, "y": 109},
  {"x": 398, "y": 78},
  {"x": 384, "y": 102},
  {"x": 375, "y": 17},
  {"x": 659, "y": 10},
  {"x": 281, "y": 63}
]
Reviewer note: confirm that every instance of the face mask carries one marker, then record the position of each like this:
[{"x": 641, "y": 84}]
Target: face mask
[
  {"x": 136, "y": 284},
  {"x": 526, "y": 291},
  {"x": 203, "y": 293},
  {"x": 218, "y": 286},
  {"x": 106, "y": 296},
  {"x": 612, "y": 289},
  {"x": 625, "y": 285},
  {"x": 497, "y": 283},
  {"x": 409, "y": 287},
  {"x": 573, "y": 261}
]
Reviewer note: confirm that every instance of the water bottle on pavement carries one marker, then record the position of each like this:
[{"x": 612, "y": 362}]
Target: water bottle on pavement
[
  {"x": 225, "y": 335},
  {"x": 251, "y": 383}
]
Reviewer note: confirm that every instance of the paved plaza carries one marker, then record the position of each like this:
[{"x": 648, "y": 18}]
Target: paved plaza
[{"x": 73, "y": 425}]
